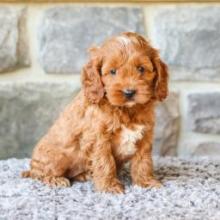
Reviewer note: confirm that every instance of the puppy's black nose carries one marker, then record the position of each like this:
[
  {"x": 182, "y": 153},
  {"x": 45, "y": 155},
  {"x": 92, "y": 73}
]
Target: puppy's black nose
[{"x": 129, "y": 93}]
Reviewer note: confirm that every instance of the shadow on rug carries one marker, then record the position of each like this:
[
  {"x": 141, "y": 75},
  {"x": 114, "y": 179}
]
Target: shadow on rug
[{"x": 191, "y": 191}]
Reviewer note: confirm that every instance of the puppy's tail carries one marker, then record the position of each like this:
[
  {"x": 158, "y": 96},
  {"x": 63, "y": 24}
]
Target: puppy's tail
[{"x": 26, "y": 174}]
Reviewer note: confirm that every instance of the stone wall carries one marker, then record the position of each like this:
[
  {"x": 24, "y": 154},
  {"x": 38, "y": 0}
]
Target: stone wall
[{"x": 43, "y": 47}]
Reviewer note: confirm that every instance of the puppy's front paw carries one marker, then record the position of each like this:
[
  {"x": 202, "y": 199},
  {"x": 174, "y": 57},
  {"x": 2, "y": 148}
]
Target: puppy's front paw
[
  {"x": 151, "y": 183},
  {"x": 113, "y": 186},
  {"x": 57, "y": 181}
]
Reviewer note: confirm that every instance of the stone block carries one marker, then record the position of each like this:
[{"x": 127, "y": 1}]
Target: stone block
[
  {"x": 167, "y": 126},
  {"x": 66, "y": 33},
  {"x": 188, "y": 38},
  {"x": 27, "y": 110},
  {"x": 13, "y": 39},
  {"x": 204, "y": 112}
]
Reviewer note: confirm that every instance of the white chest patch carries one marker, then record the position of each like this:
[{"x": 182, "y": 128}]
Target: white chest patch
[{"x": 128, "y": 139}]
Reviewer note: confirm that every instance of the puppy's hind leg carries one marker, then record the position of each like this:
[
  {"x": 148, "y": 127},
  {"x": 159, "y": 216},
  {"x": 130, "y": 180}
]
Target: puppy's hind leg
[
  {"x": 49, "y": 180},
  {"x": 49, "y": 170}
]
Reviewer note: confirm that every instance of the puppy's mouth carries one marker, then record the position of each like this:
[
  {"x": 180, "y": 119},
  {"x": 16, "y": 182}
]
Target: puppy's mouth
[{"x": 130, "y": 103}]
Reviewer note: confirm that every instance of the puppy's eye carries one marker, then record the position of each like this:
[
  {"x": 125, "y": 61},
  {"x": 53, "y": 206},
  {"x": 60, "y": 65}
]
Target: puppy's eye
[
  {"x": 113, "y": 71},
  {"x": 141, "y": 69}
]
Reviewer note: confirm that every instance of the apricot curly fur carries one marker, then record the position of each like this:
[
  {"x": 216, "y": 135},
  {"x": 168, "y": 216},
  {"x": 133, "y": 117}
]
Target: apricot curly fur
[{"x": 102, "y": 128}]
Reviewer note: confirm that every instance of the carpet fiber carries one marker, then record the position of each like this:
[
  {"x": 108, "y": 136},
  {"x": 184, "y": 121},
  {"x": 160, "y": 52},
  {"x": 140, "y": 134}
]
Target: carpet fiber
[{"x": 191, "y": 191}]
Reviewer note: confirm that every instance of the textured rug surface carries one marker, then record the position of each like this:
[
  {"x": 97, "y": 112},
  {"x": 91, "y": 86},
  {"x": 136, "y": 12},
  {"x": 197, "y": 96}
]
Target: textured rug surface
[{"x": 191, "y": 191}]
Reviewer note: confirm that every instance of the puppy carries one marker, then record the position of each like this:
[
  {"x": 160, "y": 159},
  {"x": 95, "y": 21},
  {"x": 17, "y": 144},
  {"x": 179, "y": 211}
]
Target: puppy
[{"x": 109, "y": 122}]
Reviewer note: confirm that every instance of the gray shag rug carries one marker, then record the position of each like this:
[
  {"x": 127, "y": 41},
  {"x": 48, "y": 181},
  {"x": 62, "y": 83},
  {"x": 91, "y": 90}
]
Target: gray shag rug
[{"x": 191, "y": 191}]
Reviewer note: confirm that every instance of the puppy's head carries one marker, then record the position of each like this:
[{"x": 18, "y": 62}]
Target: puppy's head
[{"x": 127, "y": 70}]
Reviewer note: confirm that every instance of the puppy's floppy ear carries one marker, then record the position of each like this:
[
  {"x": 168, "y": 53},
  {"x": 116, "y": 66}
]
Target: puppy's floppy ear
[
  {"x": 91, "y": 78},
  {"x": 161, "y": 80},
  {"x": 161, "y": 69}
]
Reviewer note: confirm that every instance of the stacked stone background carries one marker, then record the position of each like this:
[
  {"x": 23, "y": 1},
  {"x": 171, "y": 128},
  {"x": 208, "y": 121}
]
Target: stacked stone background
[{"x": 43, "y": 47}]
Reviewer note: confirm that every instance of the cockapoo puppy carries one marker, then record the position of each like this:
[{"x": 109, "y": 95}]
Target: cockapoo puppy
[{"x": 110, "y": 121}]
